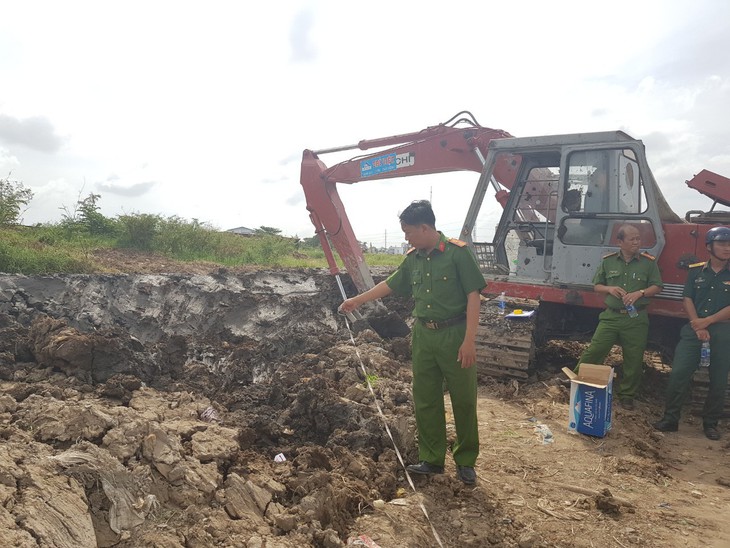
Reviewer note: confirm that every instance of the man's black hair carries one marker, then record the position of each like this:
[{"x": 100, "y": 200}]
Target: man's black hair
[{"x": 419, "y": 212}]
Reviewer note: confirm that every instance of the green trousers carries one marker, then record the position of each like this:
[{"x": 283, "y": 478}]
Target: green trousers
[
  {"x": 629, "y": 333},
  {"x": 434, "y": 360},
  {"x": 686, "y": 361}
]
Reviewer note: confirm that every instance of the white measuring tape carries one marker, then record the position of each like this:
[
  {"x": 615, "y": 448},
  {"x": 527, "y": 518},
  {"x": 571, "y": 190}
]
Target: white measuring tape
[{"x": 387, "y": 429}]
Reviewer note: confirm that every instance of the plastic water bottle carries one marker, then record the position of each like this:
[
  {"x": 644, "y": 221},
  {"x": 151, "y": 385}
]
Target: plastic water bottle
[
  {"x": 705, "y": 354},
  {"x": 501, "y": 304},
  {"x": 631, "y": 311}
]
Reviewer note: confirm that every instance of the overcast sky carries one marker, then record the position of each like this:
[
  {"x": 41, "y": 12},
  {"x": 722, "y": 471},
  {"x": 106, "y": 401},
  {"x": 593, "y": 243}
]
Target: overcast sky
[{"x": 202, "y": 110}]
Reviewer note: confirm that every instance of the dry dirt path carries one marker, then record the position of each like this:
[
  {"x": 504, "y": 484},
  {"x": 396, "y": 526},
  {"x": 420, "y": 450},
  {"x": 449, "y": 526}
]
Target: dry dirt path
[{"x": 634, "y": 487}]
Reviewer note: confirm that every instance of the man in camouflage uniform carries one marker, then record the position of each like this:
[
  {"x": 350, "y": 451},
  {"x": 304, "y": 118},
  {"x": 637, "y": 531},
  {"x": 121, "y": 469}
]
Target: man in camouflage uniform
[
  {"x": 443, "y": 277},
  {"x": 627, "y": 277},
  {"x": 706, "y": 300}
]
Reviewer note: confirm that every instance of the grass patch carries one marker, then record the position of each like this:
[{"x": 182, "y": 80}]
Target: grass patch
[{"x": 68, "y": 248}]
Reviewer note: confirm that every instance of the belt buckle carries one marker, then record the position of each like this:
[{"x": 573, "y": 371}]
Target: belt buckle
[{"x": 430, "y": 324}]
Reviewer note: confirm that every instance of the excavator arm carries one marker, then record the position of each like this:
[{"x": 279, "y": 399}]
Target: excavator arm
[{"x": 460, "y": 144}]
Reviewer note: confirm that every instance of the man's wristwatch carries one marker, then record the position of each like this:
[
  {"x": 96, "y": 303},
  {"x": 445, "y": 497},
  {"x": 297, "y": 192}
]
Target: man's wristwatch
[{"x": 642, "y": 292}]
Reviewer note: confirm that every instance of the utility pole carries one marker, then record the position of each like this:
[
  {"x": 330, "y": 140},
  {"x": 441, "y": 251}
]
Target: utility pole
[{"x": 386, "y": 239}]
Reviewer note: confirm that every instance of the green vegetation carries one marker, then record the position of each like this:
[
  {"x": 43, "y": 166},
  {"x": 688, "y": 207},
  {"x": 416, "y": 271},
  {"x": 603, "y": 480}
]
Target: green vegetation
[
  {"x": 371, "y": 379},
  {"x": 69, "y": 246},
  {"x": 13, "y": 198}
]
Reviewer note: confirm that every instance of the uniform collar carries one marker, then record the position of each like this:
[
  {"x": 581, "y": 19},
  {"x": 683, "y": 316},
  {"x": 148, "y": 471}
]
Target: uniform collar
[
  {"x": 708, "y": 267},
  {"x": 440, "y": 247},
  {"x": 620, "y": 256}
]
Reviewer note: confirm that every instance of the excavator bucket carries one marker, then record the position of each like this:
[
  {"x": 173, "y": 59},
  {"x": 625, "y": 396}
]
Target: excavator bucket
[{"x": 384, "y": 322}]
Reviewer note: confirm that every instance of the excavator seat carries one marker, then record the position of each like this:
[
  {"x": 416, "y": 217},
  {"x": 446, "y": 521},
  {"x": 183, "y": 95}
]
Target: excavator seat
[{"x": 539, "y": 244}]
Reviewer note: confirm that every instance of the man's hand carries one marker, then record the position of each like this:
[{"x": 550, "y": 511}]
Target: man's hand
[
  {"x": 631, "y": 298},
  {"x": 467, "y": 354},
  {"x": 702, "y": 334},
  {"x": 700, "y": 324},
  {"x": 349, "y": 305},
  {"x": 616, "y": 291}
]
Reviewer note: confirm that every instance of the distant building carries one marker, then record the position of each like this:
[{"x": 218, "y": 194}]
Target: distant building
[
  {"x": 242, "y": 230},
  {"x": 391, "y": 250}
]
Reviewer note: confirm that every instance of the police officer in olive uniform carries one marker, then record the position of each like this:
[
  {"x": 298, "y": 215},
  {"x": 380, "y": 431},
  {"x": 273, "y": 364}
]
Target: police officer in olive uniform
[
  {"x": 443, "y": 277},
  {"x": 706, "y": 299},
  {"x": 627, "y": 277}
]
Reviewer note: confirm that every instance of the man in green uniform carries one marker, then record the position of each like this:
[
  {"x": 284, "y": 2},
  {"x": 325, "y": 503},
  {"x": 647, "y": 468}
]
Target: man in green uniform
[
  {"x": 443, "y": 277},
  {"x": 706, "y": 300},
  {"x": 627, "y": 277}
]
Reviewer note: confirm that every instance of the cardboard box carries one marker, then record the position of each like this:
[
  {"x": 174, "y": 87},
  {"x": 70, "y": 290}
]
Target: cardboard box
[{"x": 591, "y": 395}]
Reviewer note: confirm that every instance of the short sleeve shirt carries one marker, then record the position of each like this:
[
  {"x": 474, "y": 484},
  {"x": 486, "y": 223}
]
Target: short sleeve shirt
[
  {"x": 709, "y": 291},
  {"x": 639, "y": 273},
  {"x": 440, "y": 281}
]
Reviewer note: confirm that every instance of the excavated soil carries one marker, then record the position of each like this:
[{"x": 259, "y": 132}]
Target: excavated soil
[{"x": 209, "y": 407}]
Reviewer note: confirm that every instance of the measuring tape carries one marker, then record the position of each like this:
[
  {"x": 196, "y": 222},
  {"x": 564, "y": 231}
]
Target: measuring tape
[{"x": 387, "y": 429}]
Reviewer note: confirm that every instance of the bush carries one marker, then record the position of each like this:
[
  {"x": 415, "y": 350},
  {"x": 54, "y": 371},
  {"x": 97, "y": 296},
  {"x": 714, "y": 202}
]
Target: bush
[
  {"x": 267, "y": 250},
  {"x": 138, "y": 231},
  {"x": 13, "y": 197},
  {"x": 185, "y": 239}
]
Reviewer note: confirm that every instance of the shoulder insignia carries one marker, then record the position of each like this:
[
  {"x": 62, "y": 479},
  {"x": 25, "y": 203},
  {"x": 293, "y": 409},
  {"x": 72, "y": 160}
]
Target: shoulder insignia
[
  {"x": 698, "y": 264},
  {"x": 645, "y": 254},
  {"x": 410, "y": 250},
  {"x": 610, "y": 255},
  {"x": 457, "y": 242}
]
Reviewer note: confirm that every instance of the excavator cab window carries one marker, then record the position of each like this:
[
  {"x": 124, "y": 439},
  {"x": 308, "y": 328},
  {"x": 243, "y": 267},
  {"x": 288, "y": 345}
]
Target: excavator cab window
[
  {"x": 599, "y": 184},
  {"x": 604, "y": 181},
  {"x": 630, "y": 195},
  {"x": 534, "y": 217}
]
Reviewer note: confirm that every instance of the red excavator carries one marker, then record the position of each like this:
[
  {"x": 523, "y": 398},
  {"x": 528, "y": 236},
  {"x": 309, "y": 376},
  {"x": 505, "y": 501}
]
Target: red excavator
[{"x": 564, "y": 198}]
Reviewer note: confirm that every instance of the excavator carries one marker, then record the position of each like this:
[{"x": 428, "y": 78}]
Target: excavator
[{"x": 563, "y": 200}]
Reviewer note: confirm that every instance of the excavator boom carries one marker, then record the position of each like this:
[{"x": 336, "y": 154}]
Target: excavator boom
[{"x": 456, "y": 145}]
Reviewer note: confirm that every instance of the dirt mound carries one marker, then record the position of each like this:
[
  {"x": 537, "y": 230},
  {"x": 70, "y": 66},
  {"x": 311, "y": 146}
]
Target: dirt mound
[{"x": 232, "y": 408}]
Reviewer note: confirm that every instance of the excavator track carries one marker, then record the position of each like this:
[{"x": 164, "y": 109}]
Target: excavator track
[{"x": 505, "y": 347}]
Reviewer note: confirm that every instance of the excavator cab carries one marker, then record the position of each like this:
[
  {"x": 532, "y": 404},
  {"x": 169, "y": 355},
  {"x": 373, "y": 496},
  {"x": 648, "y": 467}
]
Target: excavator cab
[{"x": 570, "y": 195}]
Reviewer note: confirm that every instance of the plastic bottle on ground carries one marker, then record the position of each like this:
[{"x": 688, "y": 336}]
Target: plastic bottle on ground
[
  {"x": 501, "y": 304},
  {"x": 705, "y": 354}
]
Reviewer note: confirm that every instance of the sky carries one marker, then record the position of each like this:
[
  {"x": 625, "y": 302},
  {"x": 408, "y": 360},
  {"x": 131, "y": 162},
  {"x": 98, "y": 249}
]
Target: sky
[{"x": 201, "y": 110}]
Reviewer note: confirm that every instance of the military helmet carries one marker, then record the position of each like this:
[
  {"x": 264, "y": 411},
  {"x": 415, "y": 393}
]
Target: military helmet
[{"x": 717, "y": 234}]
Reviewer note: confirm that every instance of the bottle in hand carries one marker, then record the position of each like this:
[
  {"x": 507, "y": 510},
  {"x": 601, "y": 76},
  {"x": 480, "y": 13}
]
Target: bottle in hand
[{"x": 705, "y": 354}]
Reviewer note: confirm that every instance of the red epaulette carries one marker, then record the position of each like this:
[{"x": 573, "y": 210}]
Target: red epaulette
[
  {"x": 457, "y": 242},
  {"x": 410, "y": 250},
  {"x": 610, "y": 255},
  {"x": 645, "y": 254}
]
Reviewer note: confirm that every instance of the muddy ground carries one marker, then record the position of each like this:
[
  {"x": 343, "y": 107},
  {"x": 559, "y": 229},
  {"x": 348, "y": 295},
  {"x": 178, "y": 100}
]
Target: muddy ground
[{"x": 188, "y": 406}]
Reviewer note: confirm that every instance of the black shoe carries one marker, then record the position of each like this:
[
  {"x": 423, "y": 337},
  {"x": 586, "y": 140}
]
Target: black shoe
[
  {"x": 712, "y": 433},
  {"x": 627, "y": 403},
  {"x": 666, "y": 426},
  {"x": 425, "y": 468},
  {"x": 467, "y": 474}
]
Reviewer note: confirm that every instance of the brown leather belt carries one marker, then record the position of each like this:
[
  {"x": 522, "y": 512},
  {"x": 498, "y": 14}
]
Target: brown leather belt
[
  {"x": 624, "y": 311},
  {"x": 430, "y": 324}
]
